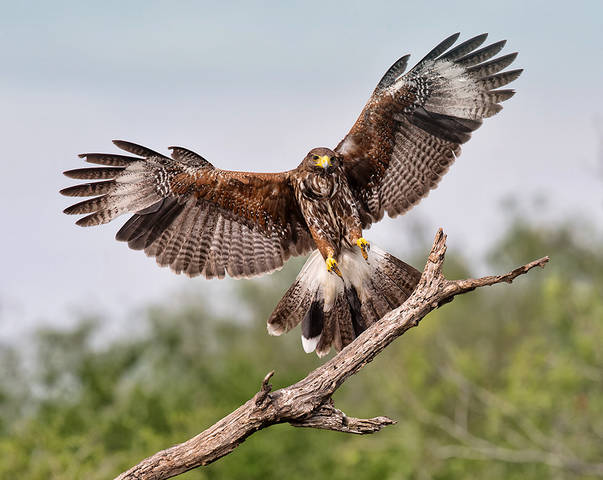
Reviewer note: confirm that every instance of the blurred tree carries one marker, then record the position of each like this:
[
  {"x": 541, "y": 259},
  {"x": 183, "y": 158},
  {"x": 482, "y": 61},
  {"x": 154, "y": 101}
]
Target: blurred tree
[{"x": 505, "y": 383}]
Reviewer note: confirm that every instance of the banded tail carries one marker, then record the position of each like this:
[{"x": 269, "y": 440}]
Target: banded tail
[{"x": 332, "y": 311}]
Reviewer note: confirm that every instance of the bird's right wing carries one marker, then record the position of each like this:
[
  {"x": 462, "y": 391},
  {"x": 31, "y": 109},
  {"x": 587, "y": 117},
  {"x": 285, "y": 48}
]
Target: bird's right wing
[{"x": 197, "y": 219}]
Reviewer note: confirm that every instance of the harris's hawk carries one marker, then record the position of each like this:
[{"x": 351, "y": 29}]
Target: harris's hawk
[{"x": 201, "y": 220}]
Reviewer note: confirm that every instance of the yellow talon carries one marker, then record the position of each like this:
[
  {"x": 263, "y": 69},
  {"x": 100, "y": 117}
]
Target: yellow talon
[
  {"x": 364, "y": 247},
  {"x": 332, "y": 266}
]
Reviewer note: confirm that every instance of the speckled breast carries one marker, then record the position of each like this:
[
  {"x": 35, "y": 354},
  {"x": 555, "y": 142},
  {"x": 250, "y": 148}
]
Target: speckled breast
[{"x": 326, "y": 203}]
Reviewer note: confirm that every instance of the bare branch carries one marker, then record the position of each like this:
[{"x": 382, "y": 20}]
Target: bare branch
[
  {"x": 308, "y": 402},
  {"x": 328, "y": 417},
  {"x": 265, "y": 390}
]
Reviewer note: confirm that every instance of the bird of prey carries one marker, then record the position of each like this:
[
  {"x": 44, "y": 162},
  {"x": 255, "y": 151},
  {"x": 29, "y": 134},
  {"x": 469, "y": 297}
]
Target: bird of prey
[{"x": 201, "y": 220}]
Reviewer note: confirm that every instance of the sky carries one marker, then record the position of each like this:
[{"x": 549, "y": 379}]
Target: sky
[{"x": 254, "y": 86}]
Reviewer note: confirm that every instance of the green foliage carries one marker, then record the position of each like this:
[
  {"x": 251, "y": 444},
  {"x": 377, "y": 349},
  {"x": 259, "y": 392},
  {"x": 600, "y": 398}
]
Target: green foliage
[{"x": 501, "y": 383}]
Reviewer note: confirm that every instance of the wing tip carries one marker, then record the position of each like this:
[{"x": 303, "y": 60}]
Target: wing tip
[
  {"x": 73, "y": 173},
  {"x": 85, "y": 221},
  {"x": 71, "y": 210},
  {"x": 129, "y": 147},
  {"x": 68, "y": 191}
]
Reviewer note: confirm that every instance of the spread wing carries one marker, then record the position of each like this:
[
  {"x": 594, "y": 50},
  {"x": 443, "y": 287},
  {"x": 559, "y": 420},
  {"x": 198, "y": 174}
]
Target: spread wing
[
  {"x": 197, "y": 219},
  {"x": 412, "y": 127}
]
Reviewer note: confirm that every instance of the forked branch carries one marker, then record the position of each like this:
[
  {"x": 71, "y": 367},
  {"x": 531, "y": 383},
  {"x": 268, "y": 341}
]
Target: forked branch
[{"x": 308, "y": 403}]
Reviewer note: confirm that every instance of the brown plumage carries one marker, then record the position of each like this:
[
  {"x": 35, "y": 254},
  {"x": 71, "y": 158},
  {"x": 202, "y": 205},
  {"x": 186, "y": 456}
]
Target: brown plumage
[{"x": 201, "y": 220}]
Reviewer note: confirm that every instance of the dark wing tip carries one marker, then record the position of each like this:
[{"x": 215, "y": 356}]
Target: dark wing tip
[
  {"x": 136, "y": 149},
  {"x": 439, "y": 49},
  {"x": 73, "y": 173},
  {"x": 503, "y": 95},
  {"x": 504, "y": 78},
  {"x": 84, "y": 222},
  {"x": 476, "y": 57},
  {"x": 188, "y": 156},
  {"x": 83, "y": 155},
  {"x": 393, "y": 73},
  {"x": 127, "y": 146},
  {"x": 449, "y": 41},
  {"x": 478, "y": 39},
  {"x": 464, "y": 48},
  {"x": 66, "y": 192}
]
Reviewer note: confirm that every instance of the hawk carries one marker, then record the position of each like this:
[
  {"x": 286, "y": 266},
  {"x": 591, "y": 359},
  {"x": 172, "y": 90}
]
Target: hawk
[{"x": 201, "y": 220}]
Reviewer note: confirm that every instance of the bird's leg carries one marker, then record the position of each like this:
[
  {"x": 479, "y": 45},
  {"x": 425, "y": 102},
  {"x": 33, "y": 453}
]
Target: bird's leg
[
  {"x": 332, "y": 265},
  {"x": 357, "y": 238},
  {"x": 364, "y": 247},
  {"x": 327, "y": 250}
]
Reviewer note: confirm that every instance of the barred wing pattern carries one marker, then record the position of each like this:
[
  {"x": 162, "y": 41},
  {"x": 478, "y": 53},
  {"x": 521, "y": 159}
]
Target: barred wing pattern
[
  {"x": 412, "y": 127},
  {"x": 197, "y": 219}
]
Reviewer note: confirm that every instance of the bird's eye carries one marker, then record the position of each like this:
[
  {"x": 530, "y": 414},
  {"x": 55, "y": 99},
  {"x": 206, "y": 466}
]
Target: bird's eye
[{"x": 315, "y": 157}]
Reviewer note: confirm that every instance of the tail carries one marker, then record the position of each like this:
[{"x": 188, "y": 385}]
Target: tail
[{"x": 332, "y": 311}]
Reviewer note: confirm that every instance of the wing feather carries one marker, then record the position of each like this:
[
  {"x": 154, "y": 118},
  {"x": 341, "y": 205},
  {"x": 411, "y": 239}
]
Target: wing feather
[
  {"x": 95, "y": 173},
  {"x": 393, "y": 73},
  {"x": 440, "y": 48},
  {"x": 464, "y": 48},
  {"x": 89, "y": 189},
  {"x": 481, "y": 55}
]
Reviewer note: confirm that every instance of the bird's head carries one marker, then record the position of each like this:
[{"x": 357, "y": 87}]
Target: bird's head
[{"x": 321, "y": 160}]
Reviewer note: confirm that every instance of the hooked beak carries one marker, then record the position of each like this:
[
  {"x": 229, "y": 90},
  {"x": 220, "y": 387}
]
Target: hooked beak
[{"x": 323, "y": 161}]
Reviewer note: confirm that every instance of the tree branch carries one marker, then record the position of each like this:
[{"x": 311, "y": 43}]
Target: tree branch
[
  {"x": 327, "y": 417},
  {"x": 308, "y": 403}
]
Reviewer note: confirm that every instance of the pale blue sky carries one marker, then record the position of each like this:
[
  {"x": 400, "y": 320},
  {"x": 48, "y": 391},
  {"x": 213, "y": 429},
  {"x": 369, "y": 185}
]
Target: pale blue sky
[{"x": 255, "y": 86}]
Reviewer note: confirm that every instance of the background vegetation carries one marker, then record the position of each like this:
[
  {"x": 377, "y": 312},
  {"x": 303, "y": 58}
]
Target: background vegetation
[{"x": 501, "y": 383}]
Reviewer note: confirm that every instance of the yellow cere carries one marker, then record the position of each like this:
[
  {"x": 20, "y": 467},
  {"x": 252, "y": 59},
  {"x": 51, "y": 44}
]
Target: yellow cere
[{"x": 323, "y": 161}]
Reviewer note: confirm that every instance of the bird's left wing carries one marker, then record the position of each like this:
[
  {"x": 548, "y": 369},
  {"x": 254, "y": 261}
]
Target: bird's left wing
[
  {"x": 411, "y": 129},
  {"x": 197, "y": 219}
]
